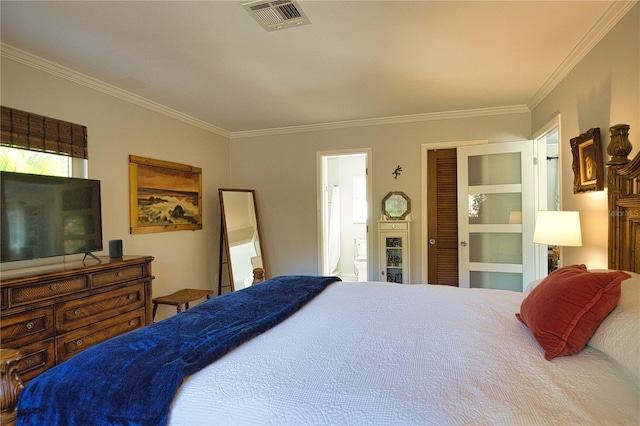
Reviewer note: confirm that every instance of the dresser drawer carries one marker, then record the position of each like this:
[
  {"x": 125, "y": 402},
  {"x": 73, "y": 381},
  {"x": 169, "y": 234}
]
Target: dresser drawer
[
  {"x": 118, "y": 275},
  {"x": 79, "y": 313},
  {"x": 392, "y": 226},
  {"x": 74, "y": 342},
  {"x": 4, "y": 300},
  {"x": 27, "y": 327},
  {"x": 36, "y": 358},
  {"x": 31, "y": 293}
]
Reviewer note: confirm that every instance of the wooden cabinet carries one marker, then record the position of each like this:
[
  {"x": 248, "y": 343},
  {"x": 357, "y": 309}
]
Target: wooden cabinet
[
  {"x": 393, "y": 238},
  {"x": 52, "y": 315}
]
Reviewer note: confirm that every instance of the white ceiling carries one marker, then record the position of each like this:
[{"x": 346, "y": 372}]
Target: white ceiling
[{"x": 357, "y": 60}]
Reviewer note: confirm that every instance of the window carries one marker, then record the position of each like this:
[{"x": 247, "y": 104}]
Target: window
[
  {"x": 359, "y": 199},
  {"x": 41, "y": 163},
  {"x": 32, "y": 143}
]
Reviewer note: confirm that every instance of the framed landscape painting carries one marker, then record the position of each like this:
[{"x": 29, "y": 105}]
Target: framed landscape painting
[{"x": 164, "y": 196}]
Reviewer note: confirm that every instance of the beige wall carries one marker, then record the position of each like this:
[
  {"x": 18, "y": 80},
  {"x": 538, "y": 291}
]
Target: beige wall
[
  {"x": 116, "y": 129},
  {"x": 282, "y": 170},
  {"x": 602, "y": 90}
]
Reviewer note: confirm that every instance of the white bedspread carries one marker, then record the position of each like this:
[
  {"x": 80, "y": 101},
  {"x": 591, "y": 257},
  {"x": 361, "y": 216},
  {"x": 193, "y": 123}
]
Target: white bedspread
[{"x": 378, "y": 353}]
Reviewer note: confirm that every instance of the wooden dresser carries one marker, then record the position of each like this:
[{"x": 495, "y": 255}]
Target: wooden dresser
[{"x": 50, "y": 316}]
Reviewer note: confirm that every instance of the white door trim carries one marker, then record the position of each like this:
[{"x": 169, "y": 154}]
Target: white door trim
[
  {"x": 320, "y": 193},
  {"x": 540, "y": 170}
]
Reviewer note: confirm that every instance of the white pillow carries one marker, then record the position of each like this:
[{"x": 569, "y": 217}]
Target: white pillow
[
  {"x": 619, "y": 334},
  {"x": 532, "y": 285}
]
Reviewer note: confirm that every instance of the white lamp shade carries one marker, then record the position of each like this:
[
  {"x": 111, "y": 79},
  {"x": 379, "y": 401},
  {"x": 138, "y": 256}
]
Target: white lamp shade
[{"x": 558, "y": 228}]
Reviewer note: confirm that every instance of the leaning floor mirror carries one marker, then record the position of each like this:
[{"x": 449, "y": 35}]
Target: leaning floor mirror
[{"x": 240, "y": 239}]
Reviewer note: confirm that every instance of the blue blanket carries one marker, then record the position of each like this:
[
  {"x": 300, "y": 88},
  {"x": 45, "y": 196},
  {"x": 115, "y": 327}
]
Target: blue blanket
[{"x": 133, "y": 378}]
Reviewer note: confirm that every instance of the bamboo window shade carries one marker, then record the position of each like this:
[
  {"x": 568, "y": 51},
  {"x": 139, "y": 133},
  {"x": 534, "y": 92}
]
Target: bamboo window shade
[{"x": 35, "y": 132}]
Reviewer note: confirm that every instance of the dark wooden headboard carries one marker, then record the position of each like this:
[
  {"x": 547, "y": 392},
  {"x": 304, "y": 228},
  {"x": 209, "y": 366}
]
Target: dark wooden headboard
[{"x": 623, "y": 181}]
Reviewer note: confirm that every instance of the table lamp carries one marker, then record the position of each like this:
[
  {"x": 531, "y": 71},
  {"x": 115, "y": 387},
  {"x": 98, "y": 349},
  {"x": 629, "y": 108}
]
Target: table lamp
[{"x": 557, "y": 228}]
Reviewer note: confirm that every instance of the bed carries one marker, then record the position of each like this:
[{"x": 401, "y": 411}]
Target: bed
[
  {"x": 381, "y": 353},
  {"x": 349, "y": 357}
]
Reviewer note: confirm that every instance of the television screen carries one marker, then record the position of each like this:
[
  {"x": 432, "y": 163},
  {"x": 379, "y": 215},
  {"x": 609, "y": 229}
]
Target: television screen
[{"x": 44, "y": 216}]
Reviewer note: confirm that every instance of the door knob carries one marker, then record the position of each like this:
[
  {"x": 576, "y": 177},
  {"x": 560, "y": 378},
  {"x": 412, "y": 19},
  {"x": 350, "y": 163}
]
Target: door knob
[
  {"x": 463, "y": 243},
  {"x": 432, "y": 241}
]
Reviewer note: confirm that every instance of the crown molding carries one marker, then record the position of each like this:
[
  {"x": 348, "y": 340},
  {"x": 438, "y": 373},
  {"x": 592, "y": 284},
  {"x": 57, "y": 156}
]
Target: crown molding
[
  {"x": 26, "y": 58},
  {"x": 607, "y": 21},
  {"x": 446, "y": 115}
]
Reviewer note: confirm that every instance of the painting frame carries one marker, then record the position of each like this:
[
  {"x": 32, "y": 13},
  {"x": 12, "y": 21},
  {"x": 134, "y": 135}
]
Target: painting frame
[
  {"x": 163, "y": 196},
  {"x": 587, "y": 162}
]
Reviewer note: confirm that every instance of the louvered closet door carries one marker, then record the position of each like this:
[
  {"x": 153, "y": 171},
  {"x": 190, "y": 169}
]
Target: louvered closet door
[
  {"x": 442, "y": 213},
  {"x": 495, "y": 215}
]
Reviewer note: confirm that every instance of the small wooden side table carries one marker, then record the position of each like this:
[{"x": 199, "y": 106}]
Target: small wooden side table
[{"x": 179, "y": 298}]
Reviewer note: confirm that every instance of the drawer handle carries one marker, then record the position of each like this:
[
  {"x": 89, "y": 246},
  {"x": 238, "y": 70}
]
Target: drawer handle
[
  {"x": 79, "y": 342},
  {"x": 54, "y": 287},
  {"x": 30, "y": 325},
  {"x": 132, "y": 323},
  {"x": 77, "y": 312},
  {"x": 30, "y": 361},
  {"x": 130, "y": 297},
  {"x": 120, "y": 273}
]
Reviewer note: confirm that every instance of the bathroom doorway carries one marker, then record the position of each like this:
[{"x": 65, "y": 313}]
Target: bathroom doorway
[{"x": 344, "y": 212}]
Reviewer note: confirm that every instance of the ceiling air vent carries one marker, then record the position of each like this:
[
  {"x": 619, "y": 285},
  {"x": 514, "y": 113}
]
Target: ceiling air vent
[{"x": 278, "y": 14}]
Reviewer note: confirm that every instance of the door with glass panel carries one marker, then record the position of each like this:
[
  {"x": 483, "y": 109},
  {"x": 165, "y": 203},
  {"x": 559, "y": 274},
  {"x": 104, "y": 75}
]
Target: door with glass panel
[{"x": 496, "y": 215}]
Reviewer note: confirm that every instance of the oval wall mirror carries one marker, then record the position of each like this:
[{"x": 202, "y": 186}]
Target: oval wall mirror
[
  {"x": 241, "y": 236},
  {"x": 396, "y": 205}
]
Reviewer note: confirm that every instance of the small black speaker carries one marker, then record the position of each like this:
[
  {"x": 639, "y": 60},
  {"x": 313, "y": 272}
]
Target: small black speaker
[{"x": 115, "y": 248}]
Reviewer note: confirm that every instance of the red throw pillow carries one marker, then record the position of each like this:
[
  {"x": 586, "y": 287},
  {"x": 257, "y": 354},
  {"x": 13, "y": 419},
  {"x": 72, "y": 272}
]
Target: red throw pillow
[{"x": 567, "y": 307}]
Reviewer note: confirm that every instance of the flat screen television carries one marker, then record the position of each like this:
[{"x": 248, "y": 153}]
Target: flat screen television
[{"x": 46, "y": 216}]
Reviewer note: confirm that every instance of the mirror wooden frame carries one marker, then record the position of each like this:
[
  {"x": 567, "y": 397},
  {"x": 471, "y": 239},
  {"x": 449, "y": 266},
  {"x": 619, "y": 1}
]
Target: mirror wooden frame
[{"x": 258, "y": 271}]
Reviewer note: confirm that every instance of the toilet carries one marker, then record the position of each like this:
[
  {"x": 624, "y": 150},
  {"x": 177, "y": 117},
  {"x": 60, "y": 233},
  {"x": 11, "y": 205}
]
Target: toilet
[{"x": 360, "y": 260}]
